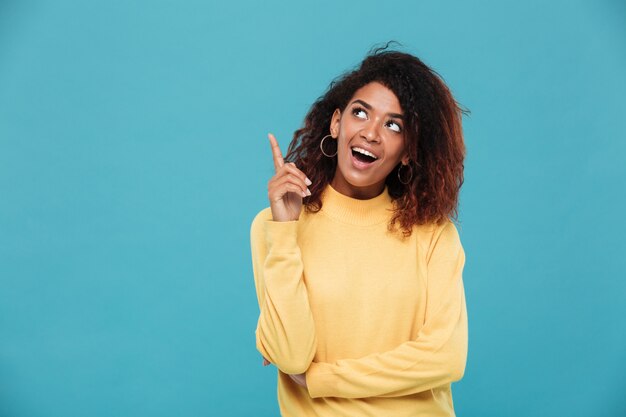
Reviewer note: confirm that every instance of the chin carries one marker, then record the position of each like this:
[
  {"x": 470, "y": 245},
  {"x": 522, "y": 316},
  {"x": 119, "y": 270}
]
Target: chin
[{"x": 360, "y": 184}]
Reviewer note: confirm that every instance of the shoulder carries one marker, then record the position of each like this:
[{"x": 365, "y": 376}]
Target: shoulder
[
  {"x": 430, "y": 233},
  {"x": 444, "y": 238},
  {"x": 446, "y": 231},
  {"x": 259, "y": 219},
  {"x": 263, "y": 215},
  {"x": 257, "y": 230}
]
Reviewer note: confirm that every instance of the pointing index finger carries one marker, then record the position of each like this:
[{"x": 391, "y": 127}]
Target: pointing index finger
[{"x": 276, "y": 153}]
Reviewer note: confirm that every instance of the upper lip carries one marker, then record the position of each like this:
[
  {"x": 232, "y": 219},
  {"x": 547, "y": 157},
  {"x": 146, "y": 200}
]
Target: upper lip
[{"x": 367, "y": 148}]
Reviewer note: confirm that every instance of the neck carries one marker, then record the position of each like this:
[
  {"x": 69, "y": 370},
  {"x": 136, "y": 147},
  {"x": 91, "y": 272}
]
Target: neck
[
  {"x": 360, "y": 193},
  {"x": 357, "y": 211}
]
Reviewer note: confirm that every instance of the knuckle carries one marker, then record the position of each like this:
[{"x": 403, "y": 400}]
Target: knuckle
[{"x": 300, "y": 173}]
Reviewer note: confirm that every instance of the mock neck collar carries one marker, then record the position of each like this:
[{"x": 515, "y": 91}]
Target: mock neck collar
[{"x": 354, "y": 211}]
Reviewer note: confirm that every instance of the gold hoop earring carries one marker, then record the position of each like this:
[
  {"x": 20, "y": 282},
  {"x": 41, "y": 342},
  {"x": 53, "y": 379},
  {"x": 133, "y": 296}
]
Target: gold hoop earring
[
  {"x": 410, "y": 174},
  {"x": 322, "y": 147}
]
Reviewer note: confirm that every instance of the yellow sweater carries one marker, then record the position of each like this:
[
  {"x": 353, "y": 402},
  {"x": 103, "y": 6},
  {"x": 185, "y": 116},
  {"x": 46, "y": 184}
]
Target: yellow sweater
[{"x": 377, "y": 322}]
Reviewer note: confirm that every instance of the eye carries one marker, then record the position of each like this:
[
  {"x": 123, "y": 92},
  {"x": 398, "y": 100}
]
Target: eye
[
  {"x": 359, "y": 112},
  {"x": 394, "y": 126}
]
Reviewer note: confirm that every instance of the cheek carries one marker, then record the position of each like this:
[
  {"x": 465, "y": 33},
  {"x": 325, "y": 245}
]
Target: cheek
[
  {"x": 344, "y": 138},
  {"x": 396, "y": 150},
  {"x": 347, "y": 130}
]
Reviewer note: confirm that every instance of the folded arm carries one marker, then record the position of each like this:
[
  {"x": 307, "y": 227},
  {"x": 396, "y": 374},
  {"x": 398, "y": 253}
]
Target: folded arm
[{"x": 436, "y": 357}]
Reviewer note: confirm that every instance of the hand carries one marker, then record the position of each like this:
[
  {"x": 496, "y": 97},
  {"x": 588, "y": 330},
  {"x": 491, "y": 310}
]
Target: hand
[
  {"x": 286, "y": 188},
  {"x": 300, "y": 379}
]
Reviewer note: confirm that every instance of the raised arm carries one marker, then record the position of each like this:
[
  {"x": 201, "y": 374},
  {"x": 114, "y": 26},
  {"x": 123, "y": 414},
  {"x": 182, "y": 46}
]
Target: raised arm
[
  {"x": 436, "y": 357},
  {"x": 285, "y": 333}
]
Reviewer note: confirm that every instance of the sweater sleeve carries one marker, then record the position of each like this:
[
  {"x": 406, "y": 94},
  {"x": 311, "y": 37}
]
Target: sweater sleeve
[
  {"x": 285, "y": 333},
  {"x": 436, "y": 357}
]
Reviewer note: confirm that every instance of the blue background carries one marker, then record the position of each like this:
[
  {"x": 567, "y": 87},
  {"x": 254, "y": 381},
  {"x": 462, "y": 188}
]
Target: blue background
[{"x": 133, "y": 157}]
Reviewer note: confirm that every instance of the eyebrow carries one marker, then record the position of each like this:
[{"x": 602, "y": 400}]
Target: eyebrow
[{"x": 369, "y": 107}]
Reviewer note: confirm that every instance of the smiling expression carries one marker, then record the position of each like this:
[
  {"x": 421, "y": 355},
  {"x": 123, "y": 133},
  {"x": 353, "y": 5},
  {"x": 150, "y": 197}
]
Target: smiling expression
[{"x": 370, "y": 141}]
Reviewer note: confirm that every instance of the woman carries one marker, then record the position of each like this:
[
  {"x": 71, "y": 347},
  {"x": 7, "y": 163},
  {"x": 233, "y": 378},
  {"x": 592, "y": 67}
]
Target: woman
[{"x": 357, "y": 264}]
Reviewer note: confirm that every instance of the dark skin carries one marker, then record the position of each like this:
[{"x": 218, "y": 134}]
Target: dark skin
[{"x": 372, "y": 122}]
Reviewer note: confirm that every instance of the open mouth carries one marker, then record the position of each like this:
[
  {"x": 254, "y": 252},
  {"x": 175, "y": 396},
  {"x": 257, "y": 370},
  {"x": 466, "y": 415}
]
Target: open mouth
[{"x": 363, "y": 156}]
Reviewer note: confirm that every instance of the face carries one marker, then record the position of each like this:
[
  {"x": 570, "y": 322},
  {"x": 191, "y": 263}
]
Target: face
[{"x": 370, "y": 141}]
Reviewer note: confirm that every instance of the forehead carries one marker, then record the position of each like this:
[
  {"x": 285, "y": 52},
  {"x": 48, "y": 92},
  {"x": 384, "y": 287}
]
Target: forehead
[{"x": 379, "y": 97}]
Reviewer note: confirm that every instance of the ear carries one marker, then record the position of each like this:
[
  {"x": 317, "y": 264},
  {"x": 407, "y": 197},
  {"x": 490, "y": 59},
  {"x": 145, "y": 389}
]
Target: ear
[
  {"x": 405, "y": 158},
  {"x": 334, "y": 123}
]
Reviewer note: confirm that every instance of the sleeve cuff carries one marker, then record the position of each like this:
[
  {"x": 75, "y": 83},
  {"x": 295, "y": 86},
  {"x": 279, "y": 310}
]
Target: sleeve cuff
[{"x": 281, "y": 236}]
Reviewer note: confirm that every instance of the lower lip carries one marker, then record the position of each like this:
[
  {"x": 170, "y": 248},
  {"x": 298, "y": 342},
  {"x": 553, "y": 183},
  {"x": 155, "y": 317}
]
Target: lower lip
[{"x": 360, "y": 165}]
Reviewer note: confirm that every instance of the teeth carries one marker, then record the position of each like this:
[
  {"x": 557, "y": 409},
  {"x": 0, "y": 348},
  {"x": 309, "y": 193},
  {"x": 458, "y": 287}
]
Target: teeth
[{"x": 364, "y": 152}]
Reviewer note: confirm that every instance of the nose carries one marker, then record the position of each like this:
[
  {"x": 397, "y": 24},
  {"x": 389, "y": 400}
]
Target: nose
[{"x": 370, "y": 132}]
